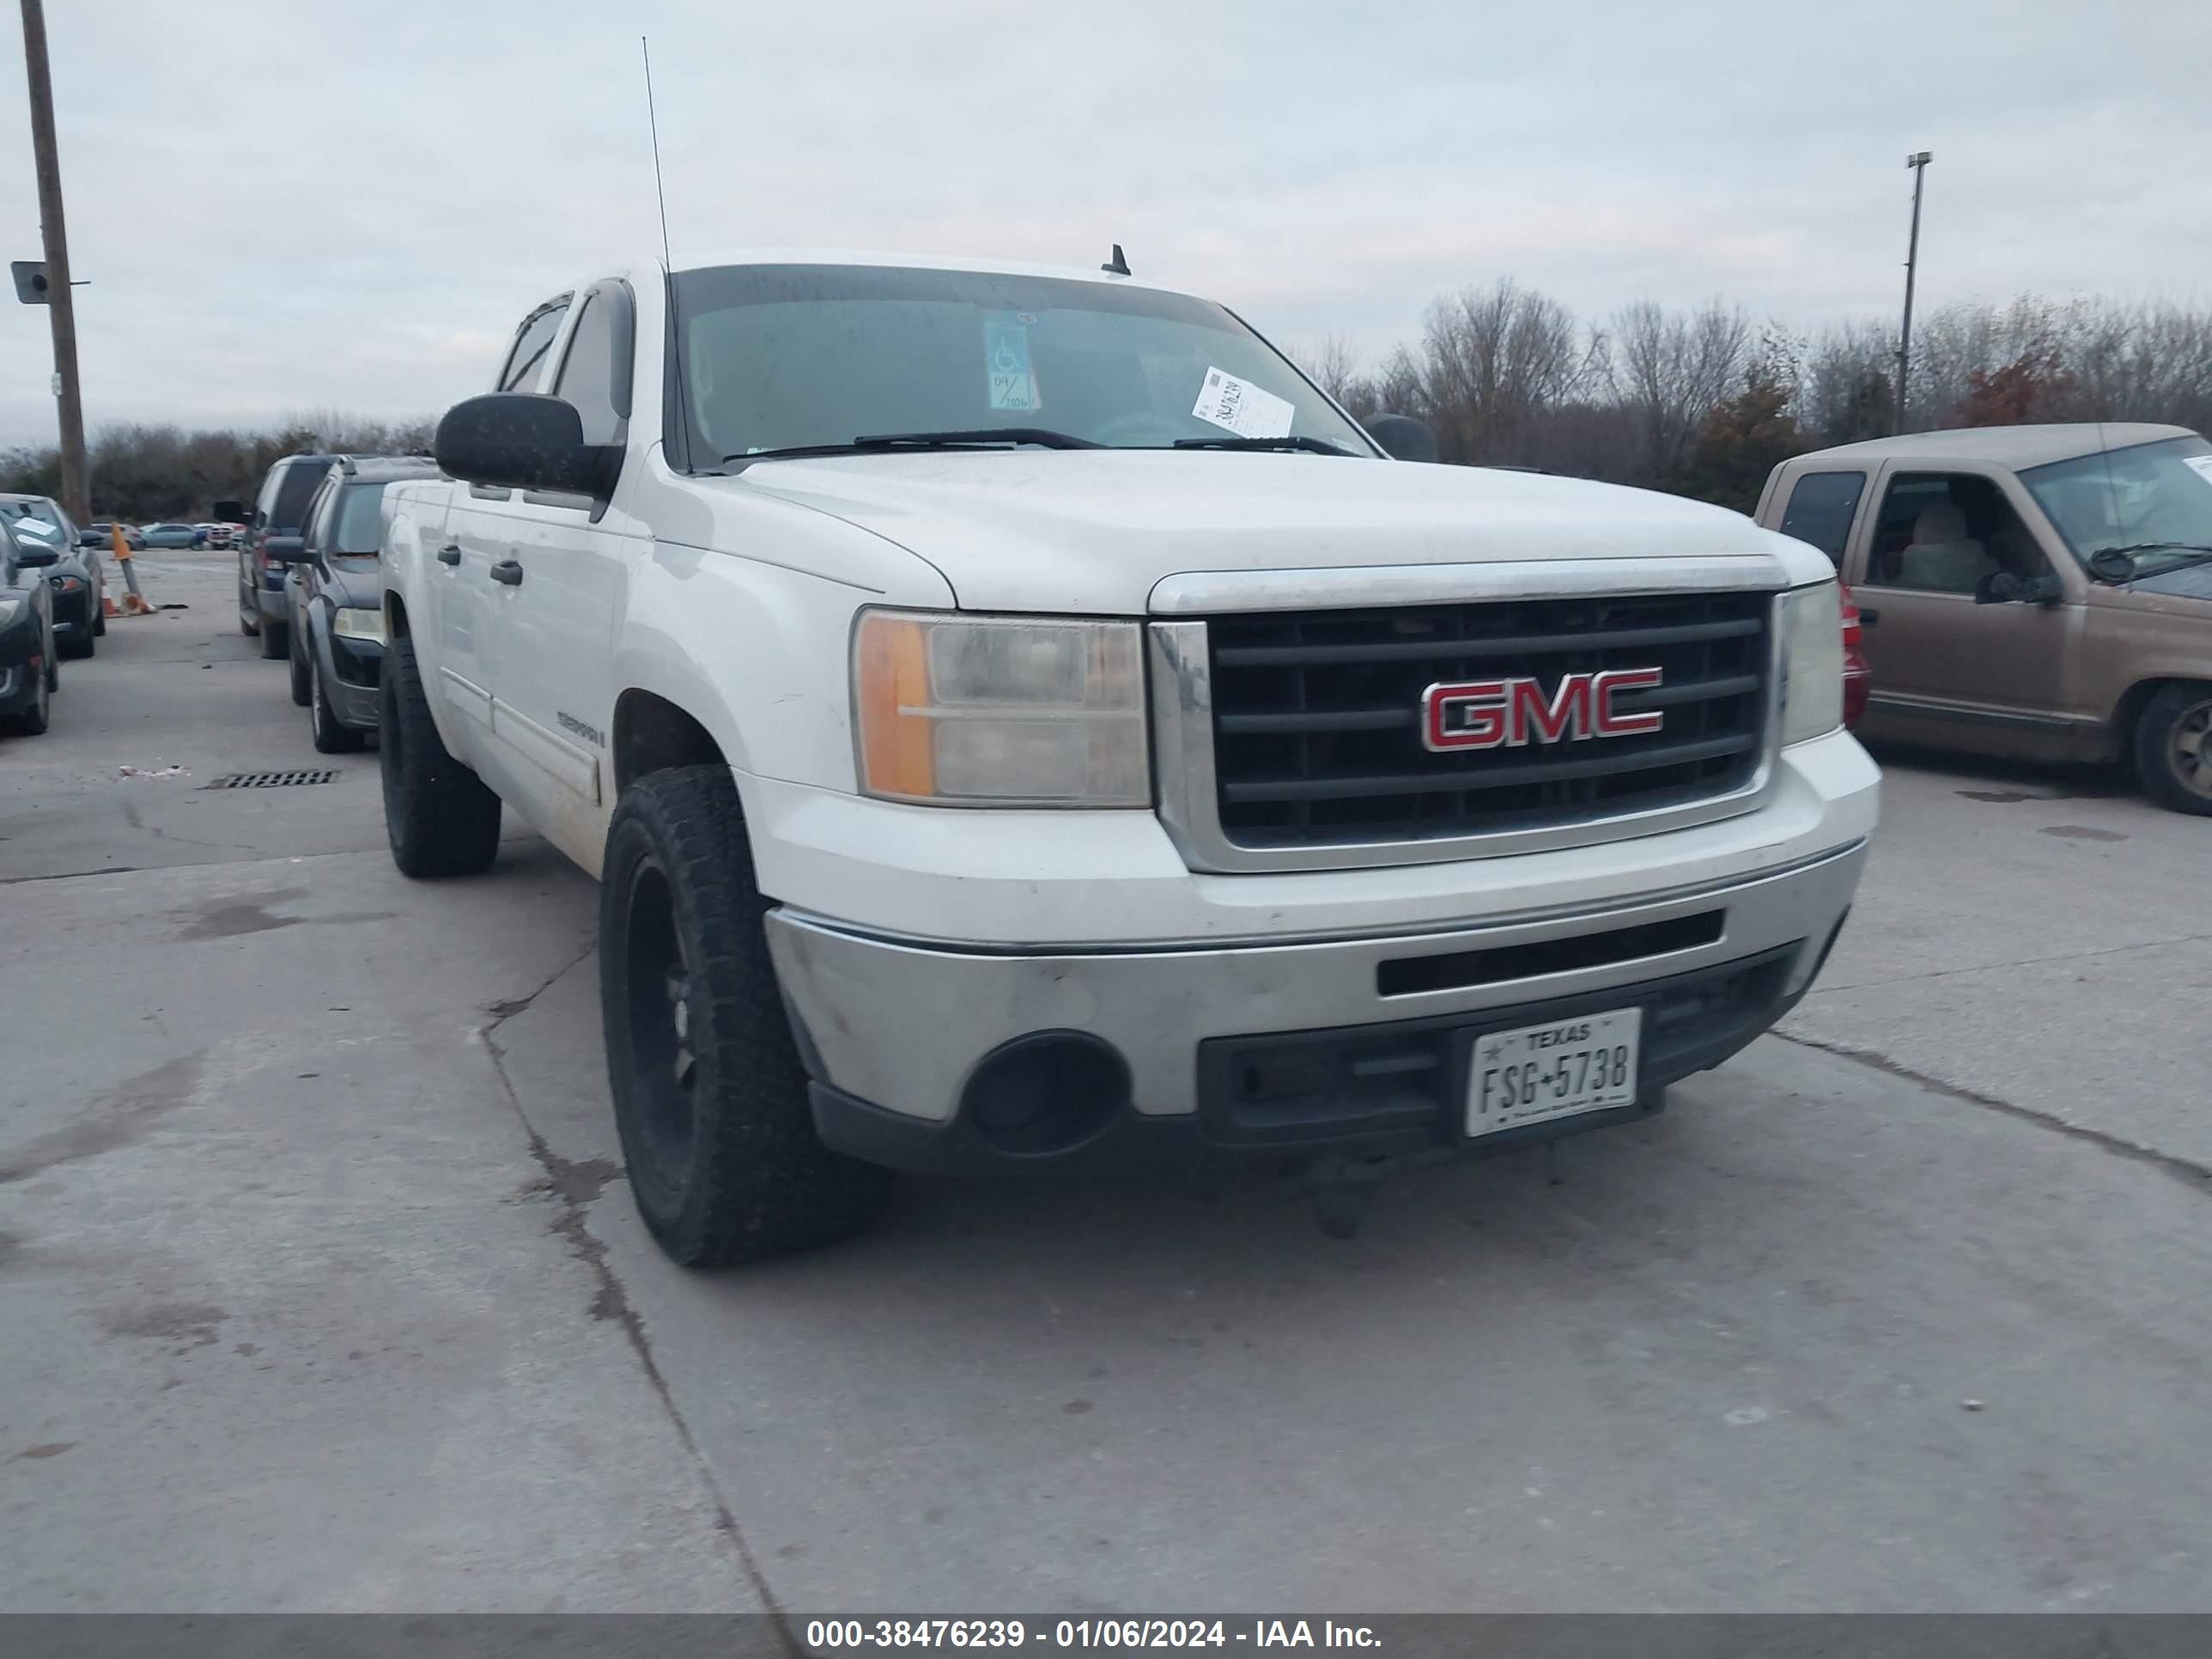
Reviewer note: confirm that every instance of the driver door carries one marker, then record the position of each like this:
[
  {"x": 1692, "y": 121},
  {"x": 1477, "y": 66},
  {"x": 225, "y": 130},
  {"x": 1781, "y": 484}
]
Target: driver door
[{"x": 1948, "y": 669}]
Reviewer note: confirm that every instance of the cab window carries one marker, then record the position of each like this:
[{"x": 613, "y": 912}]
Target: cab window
[
  {"x": 1821, "y": 508},
  {"x": 1946, "y": 532}
]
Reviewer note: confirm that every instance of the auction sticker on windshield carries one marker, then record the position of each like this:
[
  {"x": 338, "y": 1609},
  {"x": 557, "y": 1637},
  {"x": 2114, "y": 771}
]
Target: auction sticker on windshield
[
  {"x": 1537, "y": 1072},
  {"x": 1246, "y": 409},
  {"x": 1006, "y": 364}
]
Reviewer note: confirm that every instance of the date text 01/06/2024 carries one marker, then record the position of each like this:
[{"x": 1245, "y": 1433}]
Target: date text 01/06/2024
[{"x": 828, "y": 1635}]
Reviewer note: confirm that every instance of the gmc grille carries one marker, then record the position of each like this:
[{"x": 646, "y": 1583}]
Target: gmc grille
[{"x": 1317, "y": 733}]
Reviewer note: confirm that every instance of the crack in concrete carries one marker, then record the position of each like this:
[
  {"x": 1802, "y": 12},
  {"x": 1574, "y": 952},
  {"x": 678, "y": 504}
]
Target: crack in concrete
[
  {"x": 2024, "y": 961},
  {"x": 575, "y": 1185},
  {"x": 2197, "y": 1177},
  {"x": 500, "y": 1012}
]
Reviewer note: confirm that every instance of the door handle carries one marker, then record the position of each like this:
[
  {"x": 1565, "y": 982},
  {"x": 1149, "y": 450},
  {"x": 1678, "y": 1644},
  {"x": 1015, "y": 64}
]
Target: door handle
[
  {"x": 508, "y": 571},
  {"x": 449, "y": 554},
  {"x": 1868, "y": 617}
]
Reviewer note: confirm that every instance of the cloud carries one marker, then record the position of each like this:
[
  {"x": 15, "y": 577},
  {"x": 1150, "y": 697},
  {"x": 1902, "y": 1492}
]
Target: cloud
[{"x": 310, "y": 205}]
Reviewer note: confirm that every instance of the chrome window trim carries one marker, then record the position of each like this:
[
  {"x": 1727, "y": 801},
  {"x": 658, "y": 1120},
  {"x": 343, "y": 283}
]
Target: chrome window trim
[{"x": 1182, "y": 698}]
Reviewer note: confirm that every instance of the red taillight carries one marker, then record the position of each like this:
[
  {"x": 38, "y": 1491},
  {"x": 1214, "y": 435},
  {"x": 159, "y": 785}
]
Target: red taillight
[{"x": 1857, "y": 676}]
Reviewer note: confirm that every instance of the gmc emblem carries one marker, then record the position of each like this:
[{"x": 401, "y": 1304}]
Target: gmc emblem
[{"x": 1507, "y": 714}]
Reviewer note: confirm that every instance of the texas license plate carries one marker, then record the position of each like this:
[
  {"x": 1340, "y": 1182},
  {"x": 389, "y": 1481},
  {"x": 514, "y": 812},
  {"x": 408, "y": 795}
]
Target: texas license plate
[{"x": 1558, "y": 1069}]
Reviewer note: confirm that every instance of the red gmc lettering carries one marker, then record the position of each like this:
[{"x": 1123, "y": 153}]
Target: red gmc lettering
[{"x": 1506, "y": 713}]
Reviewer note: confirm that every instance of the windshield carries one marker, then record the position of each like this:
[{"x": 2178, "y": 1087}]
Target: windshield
[
  {"x": 791, "y": 356},
  {"x": 359, "y": 531},
  {"x": 2155, "y": 499}
]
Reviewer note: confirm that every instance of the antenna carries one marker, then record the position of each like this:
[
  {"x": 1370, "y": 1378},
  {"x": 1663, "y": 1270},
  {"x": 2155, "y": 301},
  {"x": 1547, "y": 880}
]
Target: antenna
[
  {"x": 653, "y": 121},
  {"x": 681, "y": 427},
  {"x": 1118, "y": 265}
]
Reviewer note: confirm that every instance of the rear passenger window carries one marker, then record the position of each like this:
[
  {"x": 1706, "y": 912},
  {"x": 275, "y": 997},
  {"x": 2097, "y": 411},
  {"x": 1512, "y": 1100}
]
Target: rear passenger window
[
  {"x": 525, "y": 364},
  {"x": 587, "y": 375},
  {"x": 1821, "y": 508}
]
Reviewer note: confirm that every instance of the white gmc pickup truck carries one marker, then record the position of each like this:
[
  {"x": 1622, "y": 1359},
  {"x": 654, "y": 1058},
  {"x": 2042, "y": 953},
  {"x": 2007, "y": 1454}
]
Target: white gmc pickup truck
[{"x": 1017, "y": 720}]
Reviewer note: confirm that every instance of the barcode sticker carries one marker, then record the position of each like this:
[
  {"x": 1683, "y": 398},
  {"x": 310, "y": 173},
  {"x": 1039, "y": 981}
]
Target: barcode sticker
[{"x": 1242, "y": 408}]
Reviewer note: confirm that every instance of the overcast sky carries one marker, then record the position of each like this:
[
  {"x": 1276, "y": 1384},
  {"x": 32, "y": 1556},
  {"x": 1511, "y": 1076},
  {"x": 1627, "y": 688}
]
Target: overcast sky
[{"x": 311, "y": 205}]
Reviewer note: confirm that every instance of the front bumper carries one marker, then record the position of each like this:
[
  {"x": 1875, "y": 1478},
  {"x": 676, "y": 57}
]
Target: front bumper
[
  {"x": 1351, "y": 1044},
  {"x": 352, "y": 670}
]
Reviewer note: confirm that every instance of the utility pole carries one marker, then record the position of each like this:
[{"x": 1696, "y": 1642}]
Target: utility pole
[
  {"x": 1918, "y": 161},
  {"x": 60, "y": 296}
]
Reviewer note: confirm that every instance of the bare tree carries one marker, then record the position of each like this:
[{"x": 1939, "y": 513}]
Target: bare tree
[
  {"x": 1492, "y": 361},
  {"x": 1671, "y": 370}
]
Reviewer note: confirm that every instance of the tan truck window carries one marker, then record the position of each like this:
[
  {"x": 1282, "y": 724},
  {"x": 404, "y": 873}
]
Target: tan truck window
[
  {"x": 1821, "y": 508},
  {"x": 1943, "y": 533}
]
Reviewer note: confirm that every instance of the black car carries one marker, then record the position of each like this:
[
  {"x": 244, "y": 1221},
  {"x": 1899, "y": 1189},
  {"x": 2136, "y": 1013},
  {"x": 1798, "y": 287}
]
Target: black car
[
  {"x": 29, "y": 676},
  {"x": 336, "y": 594},
  {"x": 77, "y": 576},
  {"x": 271, "y": 540}
]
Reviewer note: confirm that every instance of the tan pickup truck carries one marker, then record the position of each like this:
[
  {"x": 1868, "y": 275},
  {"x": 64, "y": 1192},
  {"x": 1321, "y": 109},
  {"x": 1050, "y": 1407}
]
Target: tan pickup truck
[{"x": 2037, "y": 591}]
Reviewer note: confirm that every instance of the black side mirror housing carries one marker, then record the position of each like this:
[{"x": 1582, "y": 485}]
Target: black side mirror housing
[
  {"x": 28, "y": 557},
  {"x": 283, "y": 549},
  {"x": 525, "y": 441},
  {"x": 1403, "y": 438},
  {"x": 230, "y": 512}
]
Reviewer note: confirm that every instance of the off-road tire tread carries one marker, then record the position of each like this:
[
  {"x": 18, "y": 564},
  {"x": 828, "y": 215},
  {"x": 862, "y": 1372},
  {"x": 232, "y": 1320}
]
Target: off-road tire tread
[
  {"x": 445, "y": 821},
  {"x": 761, "y": 1182},
  {"x": 2152, "y": 747}
]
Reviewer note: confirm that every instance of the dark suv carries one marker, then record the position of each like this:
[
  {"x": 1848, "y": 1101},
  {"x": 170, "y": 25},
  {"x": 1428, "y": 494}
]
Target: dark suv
[
  {"x": 335, "y": 592},
  {"x": 273, "y": 538}
]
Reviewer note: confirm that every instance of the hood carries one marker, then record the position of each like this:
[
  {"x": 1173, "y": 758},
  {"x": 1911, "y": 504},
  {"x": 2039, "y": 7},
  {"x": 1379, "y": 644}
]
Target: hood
[
  {"x": 2193, "y": 581},
  {"x": 361, "y": 588},
  {"x": 1094, "y": 531}
]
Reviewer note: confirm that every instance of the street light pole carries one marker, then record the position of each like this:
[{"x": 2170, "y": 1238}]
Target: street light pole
[
  {"x": 1918, "y": 161},
  {"x": 60, "y": 296}
]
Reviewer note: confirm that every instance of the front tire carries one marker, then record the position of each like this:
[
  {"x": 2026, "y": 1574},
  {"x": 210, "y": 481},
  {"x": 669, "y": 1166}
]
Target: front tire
[
  {"x": 710, "y": 1098},
  {"x": 275, "y": 640},
  {"x": 33, "y": 721},
  {"x": 302, "y": 689},
  {"x": 439, "y": 817},
  {"x": 330, "y": 737},
  {"x": 2173, "y": 749}
]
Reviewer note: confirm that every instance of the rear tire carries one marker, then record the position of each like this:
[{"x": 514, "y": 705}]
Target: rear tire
[
  {"x": 33, "y": 721},
  {"x": 331, "y": 738},
  {"x": 301, "y": 688},
  {"x": 439, "y": 817},
  {"x": 710, "y": 1097},
  {"x": 2174, "y": 748}
]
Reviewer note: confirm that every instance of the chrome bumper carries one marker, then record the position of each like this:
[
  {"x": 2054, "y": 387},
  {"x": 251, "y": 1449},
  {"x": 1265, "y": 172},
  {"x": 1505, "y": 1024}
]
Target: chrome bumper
[{"x": 901, "y": 1025}]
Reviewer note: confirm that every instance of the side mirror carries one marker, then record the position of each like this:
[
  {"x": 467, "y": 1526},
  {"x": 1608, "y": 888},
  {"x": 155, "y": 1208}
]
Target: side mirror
[
  {"x": 283, "y": 549},
  {"x": 2003, "y": 587},
  {"x": 28, "y": 557},
  {"x": 524, "y": 441},
  {"x": 1402, "y": 437},
  {"x": 230, "y": 512}
]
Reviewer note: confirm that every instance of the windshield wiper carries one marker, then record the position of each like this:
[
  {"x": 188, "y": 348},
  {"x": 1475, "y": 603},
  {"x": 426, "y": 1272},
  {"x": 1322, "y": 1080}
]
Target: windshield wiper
[
  {"x": 2117, "y": 565},
  {"x": 982, "y": 437},
  {"x": 1311, "y": 446}
]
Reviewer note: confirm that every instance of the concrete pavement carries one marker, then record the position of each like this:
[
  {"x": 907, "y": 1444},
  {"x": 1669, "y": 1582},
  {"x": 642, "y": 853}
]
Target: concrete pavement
[{"x": 323, "y": 1290}]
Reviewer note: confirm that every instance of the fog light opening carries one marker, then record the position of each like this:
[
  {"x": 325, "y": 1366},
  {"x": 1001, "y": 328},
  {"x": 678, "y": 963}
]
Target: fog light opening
[{"x": 1045, "y": 1093}]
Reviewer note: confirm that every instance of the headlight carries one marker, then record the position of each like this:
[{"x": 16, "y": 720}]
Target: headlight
[
  {"x": 1812, "y": 669},
  {"x": 353, "y": 623},
  {"x": 9, "y": 610},
  {"x": 1000, "y": 711},
  {"x": 66, "y": 584}
]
